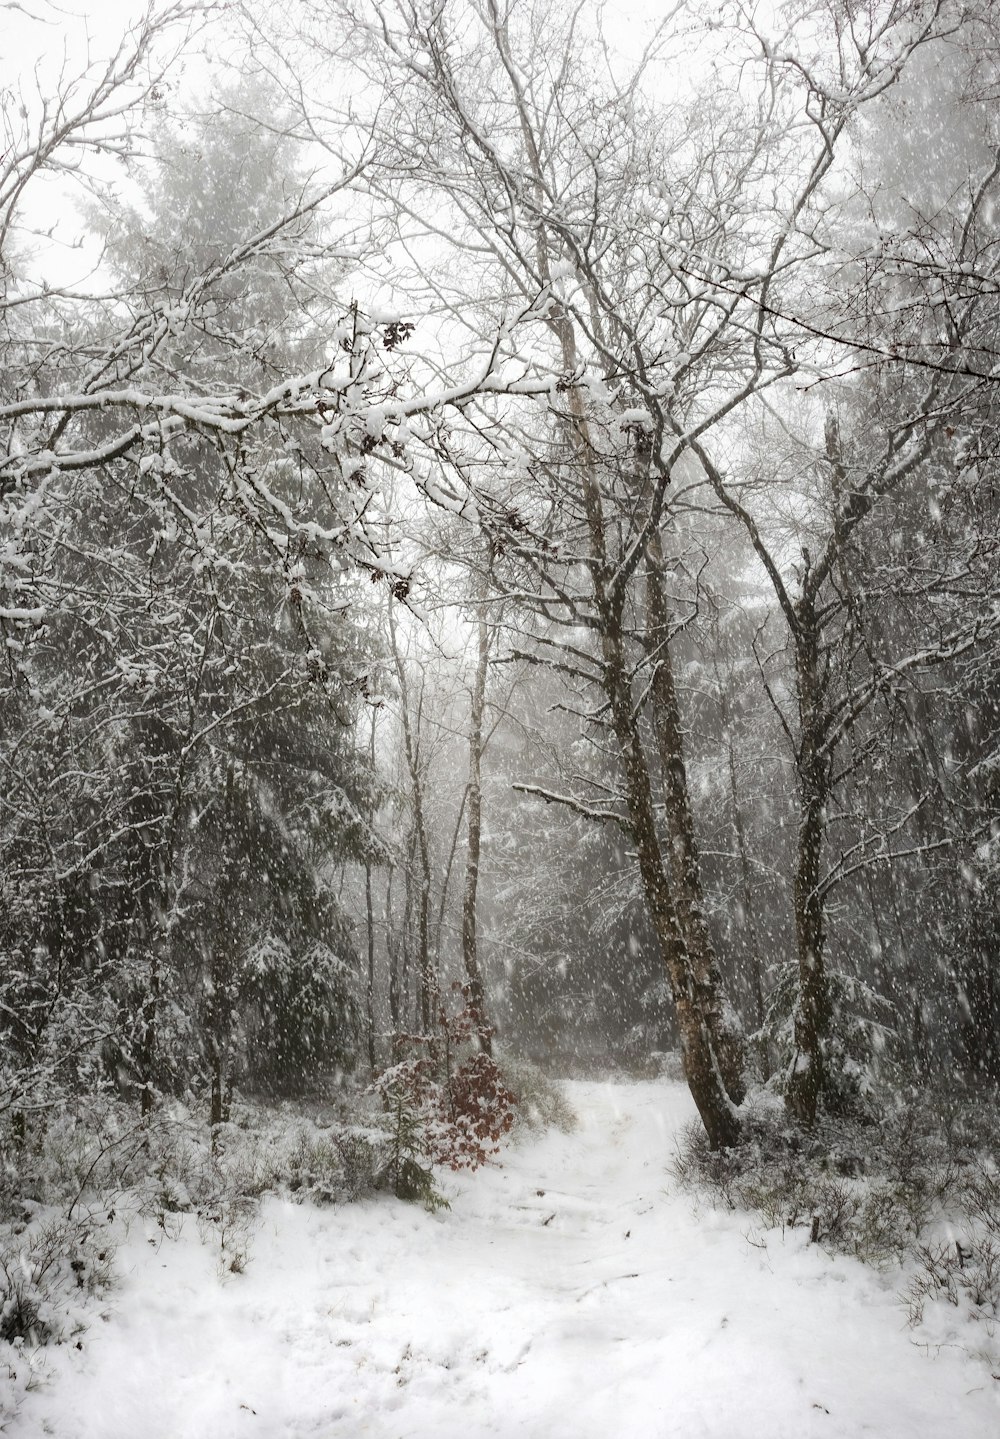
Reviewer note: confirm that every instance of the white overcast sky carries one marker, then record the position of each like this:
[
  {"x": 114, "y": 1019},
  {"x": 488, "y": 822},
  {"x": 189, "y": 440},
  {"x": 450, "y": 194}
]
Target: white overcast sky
[
  {"x": 45, "y": 46},
  {"x": 44, "y": 33}
]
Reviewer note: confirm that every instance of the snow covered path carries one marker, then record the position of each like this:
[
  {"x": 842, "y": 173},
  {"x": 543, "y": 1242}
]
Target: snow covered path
[{"x": 570, "y": 1295}]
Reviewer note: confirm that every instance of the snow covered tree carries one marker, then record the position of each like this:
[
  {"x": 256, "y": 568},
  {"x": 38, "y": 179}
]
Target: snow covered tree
[
  {"x": 186, "y": 511},
  {"x": 654, "y": 242}
]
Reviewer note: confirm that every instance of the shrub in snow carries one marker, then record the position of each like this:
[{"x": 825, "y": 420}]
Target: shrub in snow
[
  {"x": 479, "y": 1111},
  {"x": 47, "y": 1270},
  {"x": 364, "y": 1154},
  {"x": 966, "y": 1276},
  {"x": 345, "y": 1162},
  {"x": 539, "y": 1102},
  {"x": 51, "y": 1265},
  {"x": 221, "y": 1173},
  {"x": 193, "y": 1168},
  {"x": 980, "y": 1190},
  {"x": 920, "y": 1188},
  {"x": 314, "y": 1169},
  {"x": 229, "y": 1222},
  {"x": 963, "y": 1273},
  {"x": 90, "y": 1145},
  {"x": 865, "y": 1189}
]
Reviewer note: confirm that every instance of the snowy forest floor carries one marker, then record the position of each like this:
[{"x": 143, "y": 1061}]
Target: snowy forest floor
[{"x": 572, "y": 1293}]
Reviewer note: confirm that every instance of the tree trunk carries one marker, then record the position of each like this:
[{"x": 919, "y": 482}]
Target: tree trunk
[
  {"x": 755, "y": 966},
  {"x": 157, "y": 927},
  {"x": 370, "y": 921},
  {"x": 392, "y": 953},
  {"x": 694, "y": 1002},
  {"x": 427, "y": 991},
  {"x": 148, "y": 1035},
  {"x": 808, "y": 1075},
  {"x": 695, "y": 992},
  {"x": 470, "y": 949},
  {"x": 218, "y": 1024},
  {"x": 370, "y": 976},
  {"x": 222, "y": 947}
]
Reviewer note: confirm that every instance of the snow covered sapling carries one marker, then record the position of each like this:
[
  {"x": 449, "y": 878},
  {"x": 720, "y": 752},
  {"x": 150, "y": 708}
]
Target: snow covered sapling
[
  {"x": 406, "y": 1090},
  {"x": 859, "y": 1041}
]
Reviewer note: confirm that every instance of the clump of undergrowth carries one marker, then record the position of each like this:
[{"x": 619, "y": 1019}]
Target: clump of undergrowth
[
  {"x": 865, "y": 1188},
  {"x": 958, "y": 1272},
  {"x": 51, "y": 1270},
  {"x": 917, "y": 1187},
  {"x": 46, "y": 1268},
  {"x": 445, "y": 1104}
]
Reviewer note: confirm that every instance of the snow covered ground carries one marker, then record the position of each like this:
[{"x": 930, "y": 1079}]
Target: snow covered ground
[{"x": 572, "y": 1294}]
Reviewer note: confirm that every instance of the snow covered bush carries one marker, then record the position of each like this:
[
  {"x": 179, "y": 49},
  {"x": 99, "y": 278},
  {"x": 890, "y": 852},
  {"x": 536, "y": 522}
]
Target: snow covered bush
[
  {"x": 344, "y": 1162},
  {"x": 50, "y": 1268},
  {"x": 44, "y": 1272},
  {"x": 364, "y": 1153},
  {"x": 964, "y": 1276},
  {"x": 314, "y": 1168},
  {"x": 90, "y": 1148},
  {"x": 918, "y": 1188},
  {"x": 263, "y": 1149},
  {"x": 228, "y": 1222},
  {"x": 540, "y": 1102}
]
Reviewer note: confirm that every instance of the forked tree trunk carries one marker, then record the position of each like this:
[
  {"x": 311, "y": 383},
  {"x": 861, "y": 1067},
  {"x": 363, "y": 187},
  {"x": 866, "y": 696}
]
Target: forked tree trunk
[
  {"x": 695, "y": 985},
  {"x": 694, "y": 1001},
  {"x": 685, "y": 869}
]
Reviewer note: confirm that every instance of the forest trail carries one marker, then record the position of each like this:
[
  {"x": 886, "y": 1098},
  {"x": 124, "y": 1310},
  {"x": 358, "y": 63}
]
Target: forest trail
[{"x": 570, "y": 1294}]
